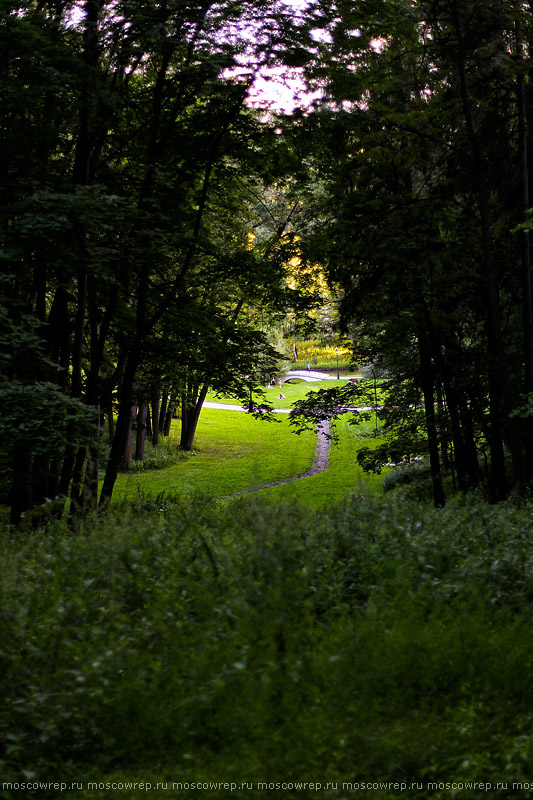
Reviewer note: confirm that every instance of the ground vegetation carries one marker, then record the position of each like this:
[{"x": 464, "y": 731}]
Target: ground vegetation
[{"x": 259, "y": 642}]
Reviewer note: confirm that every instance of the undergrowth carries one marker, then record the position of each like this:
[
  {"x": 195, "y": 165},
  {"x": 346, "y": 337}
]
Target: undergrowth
[
  {"x": 384, "y": 640},
  {"x": 166, "y": 454}
]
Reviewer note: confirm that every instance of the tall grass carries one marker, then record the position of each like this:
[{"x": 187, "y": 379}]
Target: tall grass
[{"x": 383, "y": 640}]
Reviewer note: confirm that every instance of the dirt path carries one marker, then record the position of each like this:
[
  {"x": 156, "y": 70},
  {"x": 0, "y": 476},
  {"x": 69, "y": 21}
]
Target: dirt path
[
  {"x": 323, "y": 446},
  {"x": 320, "y": 463}
]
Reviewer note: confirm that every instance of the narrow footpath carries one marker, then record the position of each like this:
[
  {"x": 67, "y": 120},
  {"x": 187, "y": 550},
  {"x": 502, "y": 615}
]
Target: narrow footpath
[
  {"x": 322, "y": 449},
  {"x": 320, "y": 460},
  {"x": 320, "y": 463}
]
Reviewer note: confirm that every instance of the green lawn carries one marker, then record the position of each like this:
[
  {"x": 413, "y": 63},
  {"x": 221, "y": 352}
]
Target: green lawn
[
  {"x": 235, "y": 452},
  {"x": 343, "y": 478},
  {"x": 293, "y": 391}
]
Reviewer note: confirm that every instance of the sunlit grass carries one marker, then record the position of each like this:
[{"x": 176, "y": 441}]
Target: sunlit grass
[
  {"x": 343, "y": 479},
  {"x": 292, "y": 391},
  {"x": 233, "y": 451}
]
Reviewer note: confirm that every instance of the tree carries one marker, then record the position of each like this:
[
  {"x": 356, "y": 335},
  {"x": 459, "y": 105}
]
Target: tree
[
  {"x": 423, "y": 188},
  {"x": 114, "y": 155}
]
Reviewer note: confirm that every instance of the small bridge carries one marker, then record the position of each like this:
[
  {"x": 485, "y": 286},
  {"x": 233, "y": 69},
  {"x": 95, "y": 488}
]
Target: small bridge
[{"x": 307, "y": 375}]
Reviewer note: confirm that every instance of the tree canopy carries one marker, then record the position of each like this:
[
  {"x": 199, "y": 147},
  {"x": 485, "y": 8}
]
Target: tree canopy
[
  {"x": 424, "y": 162},
  {"x": 150, "y": 216}
]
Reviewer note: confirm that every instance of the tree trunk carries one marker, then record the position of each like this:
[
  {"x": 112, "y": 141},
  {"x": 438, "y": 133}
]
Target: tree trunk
[
  {"x": 20, "y": 495},
  {"x": 76, "y": 490},
  {"x": 163, "y": 412},
  {"x": 497, "y": 356},
  {"x": 444, "y": 442},
  {"x": 466, "y": 463},
  {"x": 498, "y": 478},
  {"x": 141, "y": 432},
  {"x": 92, "y": 468},
  {"x": 148, "y": 422},
  {"x": 427, "y": 381},
  {"x": 73, "y": 462},
  {"x": 184, "y": 420},
  {"x": 527, "y": 304},
  {"x": 128, "y": 443},
  {"x": 90, "y": 487},
  {"x": 110, "y": 423},
  {"x": 155, "y": 418},
  {"x": 59, "y": 335},
  {"x": 53, "y": 478},
  {"x": 168, "y": 418},
  {"x": 189, "y": 418},
  {"x": 40, "y": 479}
]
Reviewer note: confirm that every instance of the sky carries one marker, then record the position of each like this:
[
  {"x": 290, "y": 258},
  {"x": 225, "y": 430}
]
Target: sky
[{"x": 281, "y": 91}]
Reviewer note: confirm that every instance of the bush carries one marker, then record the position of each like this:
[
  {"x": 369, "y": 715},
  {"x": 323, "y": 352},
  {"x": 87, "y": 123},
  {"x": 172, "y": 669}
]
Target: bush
[
  {"x": 323, "y": 356},
  {"x": 160, "y": 457},
  {"x": 415, "y": 472}
]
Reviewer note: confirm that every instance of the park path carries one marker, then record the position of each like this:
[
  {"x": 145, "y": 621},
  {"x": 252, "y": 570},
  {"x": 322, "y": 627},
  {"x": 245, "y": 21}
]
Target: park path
[
  {"x": 320, "y": 462},
  {"x": 320, "y": 459},
  {"x": 230, "y": 407},
  {"x": 322, "y": 449}
]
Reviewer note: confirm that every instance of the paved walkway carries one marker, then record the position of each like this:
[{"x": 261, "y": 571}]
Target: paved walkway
[
  {"x": 311, "y": 375},
  {"x": 230, "y": 407},
  {"x": 307, "y": 375}
]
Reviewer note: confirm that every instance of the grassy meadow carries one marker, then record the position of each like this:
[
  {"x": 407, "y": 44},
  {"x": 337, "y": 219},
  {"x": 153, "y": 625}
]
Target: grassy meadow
[
  {"x": 293, "y": 391},
  {"x": 232, "y": 452},
  {"x": 235, "y": 452},
  {"x": 344, "y": 477}
]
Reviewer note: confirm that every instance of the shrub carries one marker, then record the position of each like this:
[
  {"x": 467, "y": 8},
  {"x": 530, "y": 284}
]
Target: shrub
[
  {"x": 166, "y": 454},
  {"x": 417, "y": 472},
  {"x": 323, "y": 356}
]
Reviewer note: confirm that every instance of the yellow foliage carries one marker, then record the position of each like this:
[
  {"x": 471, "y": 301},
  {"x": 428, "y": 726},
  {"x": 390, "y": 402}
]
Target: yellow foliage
[{"x": 315, "y": 349}]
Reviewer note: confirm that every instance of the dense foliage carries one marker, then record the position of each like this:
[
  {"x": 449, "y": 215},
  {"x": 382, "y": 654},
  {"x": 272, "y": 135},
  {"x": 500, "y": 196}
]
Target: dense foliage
[
  {"x": 152, "y": 222},
  {"x": 382, "y": 640},
  {"x": 131, "y": 175},
  {"x": 424, "y": 184},
  {"x": 151, "y": 228}
]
